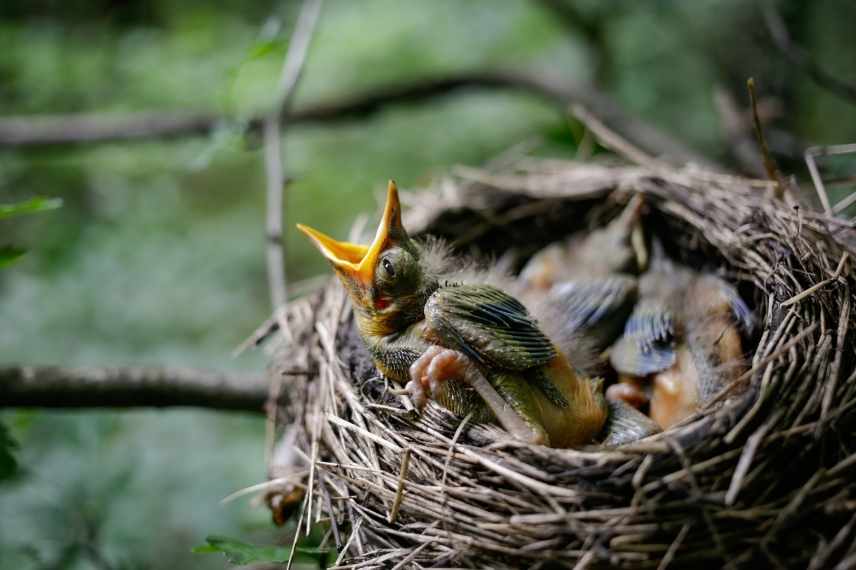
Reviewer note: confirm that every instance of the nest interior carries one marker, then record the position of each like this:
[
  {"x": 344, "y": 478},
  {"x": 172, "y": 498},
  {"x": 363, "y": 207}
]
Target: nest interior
[{"x": 761, "y": 475}]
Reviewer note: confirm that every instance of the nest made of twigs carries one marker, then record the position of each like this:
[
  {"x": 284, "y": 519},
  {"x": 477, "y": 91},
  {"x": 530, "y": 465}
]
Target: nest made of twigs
[{"x": 763, "y": 474}]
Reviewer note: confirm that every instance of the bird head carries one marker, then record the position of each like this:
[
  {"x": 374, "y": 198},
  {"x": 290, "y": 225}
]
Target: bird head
[
  {"x": 620, "y": 246},
  {"x": 385, "y": 280}
]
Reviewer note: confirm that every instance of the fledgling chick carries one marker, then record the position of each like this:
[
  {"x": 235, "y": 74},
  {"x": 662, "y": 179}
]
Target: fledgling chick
[
  {"x": 591, "y": 279},
  {"x": 684, "y": 334},
  {"x": 470, "y": 346},
  {"x": 617, "y": 248},
  {"x": 594, "y": 309}
]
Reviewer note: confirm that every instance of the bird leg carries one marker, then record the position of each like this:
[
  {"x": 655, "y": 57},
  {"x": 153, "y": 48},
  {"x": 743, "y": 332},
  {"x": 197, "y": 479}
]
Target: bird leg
[{"x": 438, "y": 365}]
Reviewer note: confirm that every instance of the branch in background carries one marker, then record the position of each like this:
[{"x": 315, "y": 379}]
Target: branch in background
[
  {"x": 93, "y": 128},
  {"x": 593, "y": 31},
  {"x": 800, "y": 58},
  {"x": 292, "y": 69},
  {"x": 811, "y": 156},
  {"x": 59, "y": 387}
]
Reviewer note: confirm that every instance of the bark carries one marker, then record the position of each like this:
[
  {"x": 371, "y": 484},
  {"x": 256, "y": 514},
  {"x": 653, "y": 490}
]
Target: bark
[{"x": 60, "y": 387}]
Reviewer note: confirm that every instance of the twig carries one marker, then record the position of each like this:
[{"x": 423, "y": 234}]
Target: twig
[
  {"x": 60, "y": 387},
  {"x": 797, "y": 56},
  {"x": 307, "y": 500},
  {"x": 819, "y": 285},
  {"x": 769, "y": 163},
  {"x": 748, "y": 454},
  {"x": 673, "y": 548},
  {"x": 399, "y": 491},
  {"x": 612, "y": 140},
  {"x": 292, "y": 69},
  {"x": 294, "y": 478},
  {"x": 742, "y": 146},
  {"x": 410, "y": 557},
  {"x": 811, "y": 155}
]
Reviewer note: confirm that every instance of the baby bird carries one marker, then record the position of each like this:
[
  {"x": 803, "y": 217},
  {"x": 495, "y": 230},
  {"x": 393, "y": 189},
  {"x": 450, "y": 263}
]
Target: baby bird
[
  {"x": 472, "y": 347},
  {"x": 591, "y": 279},
  {"x": 684, "y": 334},
  {"x": 617, "y": 248}
]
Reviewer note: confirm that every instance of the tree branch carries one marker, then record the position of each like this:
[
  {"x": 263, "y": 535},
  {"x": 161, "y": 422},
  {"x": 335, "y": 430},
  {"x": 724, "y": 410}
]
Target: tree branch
[
  {"x": 800, "y": 58},
  {"x": 292, "y": 70},
  {"x": 59, "y": 387},
  {"x": 96, "y": 128}
]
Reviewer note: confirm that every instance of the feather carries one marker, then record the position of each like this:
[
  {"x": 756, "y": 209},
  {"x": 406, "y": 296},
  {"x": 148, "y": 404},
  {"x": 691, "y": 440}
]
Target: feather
[{"x": 489, "y": 326}]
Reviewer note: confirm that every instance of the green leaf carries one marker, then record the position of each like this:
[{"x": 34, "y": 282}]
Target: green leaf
[
  {"x": 261, "y": 49},
  {"x": 238, "y": 552},
  {"x": 8, "y": 463},
  {"x": 10, "y": 253},
  {"x": 31, "y": 206}
]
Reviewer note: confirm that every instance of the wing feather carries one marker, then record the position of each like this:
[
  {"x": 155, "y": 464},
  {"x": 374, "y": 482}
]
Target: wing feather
[{"x": 488, "y": 325}]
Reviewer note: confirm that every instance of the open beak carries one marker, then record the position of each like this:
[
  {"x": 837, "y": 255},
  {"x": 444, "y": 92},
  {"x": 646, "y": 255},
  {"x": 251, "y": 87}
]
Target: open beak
[{"x": 359, "y": 261}]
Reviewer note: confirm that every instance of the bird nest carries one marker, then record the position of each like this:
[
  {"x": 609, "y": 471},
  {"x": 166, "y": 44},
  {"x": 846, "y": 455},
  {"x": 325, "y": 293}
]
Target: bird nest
[{"x": 762, "y": 474}]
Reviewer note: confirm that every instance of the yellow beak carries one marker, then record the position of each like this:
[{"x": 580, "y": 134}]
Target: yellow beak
[{"x": 355, "y": 260}]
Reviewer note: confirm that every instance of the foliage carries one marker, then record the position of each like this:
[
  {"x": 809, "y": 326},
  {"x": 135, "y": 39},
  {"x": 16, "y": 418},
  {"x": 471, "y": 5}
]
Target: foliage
[
  {"x": 29, "y": 207},
  {"x": 238, "y": 552},
  {"x": 8, "y": 463},
  {"x": 10, "y": 253}
]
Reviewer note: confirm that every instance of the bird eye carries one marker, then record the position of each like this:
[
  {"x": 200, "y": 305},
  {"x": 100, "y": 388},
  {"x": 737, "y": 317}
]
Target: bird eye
[{"x": 387, "y": 266}]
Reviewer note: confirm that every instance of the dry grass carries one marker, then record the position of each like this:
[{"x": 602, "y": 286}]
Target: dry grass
[{"x": 762, "y": 475}]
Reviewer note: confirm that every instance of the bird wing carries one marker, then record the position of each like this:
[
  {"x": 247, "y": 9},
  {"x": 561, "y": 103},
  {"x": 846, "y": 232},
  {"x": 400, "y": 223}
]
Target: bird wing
[
  {"x": 489, "y": 326},
  {"x": 742, "y": 313},
  {"x": 592, "y": 302},
  {"x": 647, "y": 345}
]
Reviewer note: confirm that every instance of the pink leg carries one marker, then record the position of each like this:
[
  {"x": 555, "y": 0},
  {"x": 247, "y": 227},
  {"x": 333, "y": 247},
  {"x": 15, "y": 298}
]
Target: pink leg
[
  {"x": 431, "y": 370},
  {"x": 438, "y": 365}
]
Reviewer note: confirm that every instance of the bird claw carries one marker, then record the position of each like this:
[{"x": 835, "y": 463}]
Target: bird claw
[
  {"x": 417, "y": 393},
  {"x": 429, "y": 373}
]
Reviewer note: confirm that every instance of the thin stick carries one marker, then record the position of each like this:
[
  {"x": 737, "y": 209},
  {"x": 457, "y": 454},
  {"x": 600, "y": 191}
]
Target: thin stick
[
  {"x": 817, "y": 180},
  {"x": 399, "y": 491},
  {"x": 769, "y": 163},
  {"x": 835, "y": 369},
  {"x": 811, "y": 155},
  {"x": 264, "y": 486},
  {"x": 612, "y": 140},
  {"x": 292, "y": 69},
  {"x": 306, "y": 500},
  {"x": 746, "y": 457},
  {"x": 800, "y": 296},
  {"x": 347, "y": 546},
  {"x": 673, "y": 548},
  {"x": 410, "y": 557}
]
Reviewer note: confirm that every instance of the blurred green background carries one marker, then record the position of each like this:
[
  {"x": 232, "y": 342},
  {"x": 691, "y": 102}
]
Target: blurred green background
[{"x": 157, "y": 256}]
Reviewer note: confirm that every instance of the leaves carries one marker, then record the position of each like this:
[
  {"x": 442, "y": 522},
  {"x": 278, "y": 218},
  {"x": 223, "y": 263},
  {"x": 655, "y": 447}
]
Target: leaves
[
  {"x": 31, "y": 206},
  {"x": 263, "y": 48},
  {"x": 8, "y": 463},
  {"x": 238, "y": 552},
  {"x": 9, "y": 254}
]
